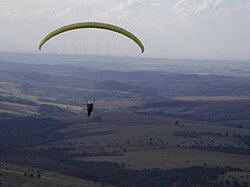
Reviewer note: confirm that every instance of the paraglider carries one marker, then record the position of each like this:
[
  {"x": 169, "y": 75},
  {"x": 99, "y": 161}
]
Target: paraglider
[
  {"x": 90, "y": 107},
  {"x": 92, "y": 25}
]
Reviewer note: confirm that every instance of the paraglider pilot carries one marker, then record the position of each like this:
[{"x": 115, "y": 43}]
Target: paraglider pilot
[{"x": 90, "y": 107}]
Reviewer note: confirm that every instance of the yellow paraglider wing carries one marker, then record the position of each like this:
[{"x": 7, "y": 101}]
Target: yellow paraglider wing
[{"x": 95, "y": 25}]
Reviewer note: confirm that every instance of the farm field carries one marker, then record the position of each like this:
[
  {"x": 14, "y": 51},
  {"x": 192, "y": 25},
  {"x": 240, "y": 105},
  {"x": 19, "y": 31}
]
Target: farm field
[
  {"x": 154, "y": 142},
  {"x": 171, "y": 158}
]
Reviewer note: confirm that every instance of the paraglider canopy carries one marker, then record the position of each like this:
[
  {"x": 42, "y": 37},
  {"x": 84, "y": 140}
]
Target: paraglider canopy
[{"x": 96, "y": 25}]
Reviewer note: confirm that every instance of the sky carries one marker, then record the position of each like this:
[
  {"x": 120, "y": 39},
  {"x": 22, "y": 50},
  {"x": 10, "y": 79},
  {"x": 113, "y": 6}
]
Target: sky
[{"x": 168, "y": 28}]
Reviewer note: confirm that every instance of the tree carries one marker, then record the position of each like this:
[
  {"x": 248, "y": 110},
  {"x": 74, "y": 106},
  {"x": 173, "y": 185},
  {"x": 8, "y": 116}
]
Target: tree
[
  {"x": 177, "y": 123},
  {"x": 228, "y": 183},
  {"x": 239, "y": 126},
  {"x": 38, "y": 176}
]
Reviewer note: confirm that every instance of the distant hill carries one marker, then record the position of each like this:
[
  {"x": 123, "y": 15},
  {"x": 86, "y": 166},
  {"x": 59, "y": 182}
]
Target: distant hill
[
  {"x": 123, "y": 87},
  {"x": 114, "y": 85},
  {"x": 112, "y": 63}
]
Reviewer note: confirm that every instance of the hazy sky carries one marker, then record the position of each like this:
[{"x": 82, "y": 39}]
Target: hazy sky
[{"x": 168, "y": 28}]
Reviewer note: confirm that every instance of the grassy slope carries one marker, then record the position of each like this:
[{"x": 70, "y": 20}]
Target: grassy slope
[
  {"x": 14, "y": 177},
  {"x": 17, "y": 109}
]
